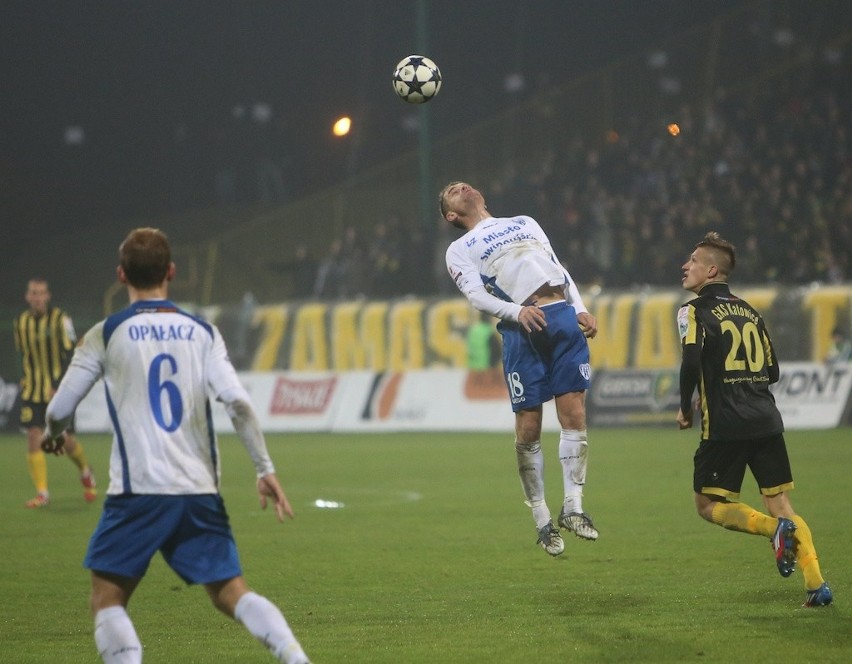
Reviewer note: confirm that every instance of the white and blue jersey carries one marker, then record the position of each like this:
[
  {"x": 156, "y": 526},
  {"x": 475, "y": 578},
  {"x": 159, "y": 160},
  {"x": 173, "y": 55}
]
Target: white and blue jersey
[
  {"x": 498, "y": 265},
  {"x": 159, "y": 365},
  {"x": 510, "y": 258}
]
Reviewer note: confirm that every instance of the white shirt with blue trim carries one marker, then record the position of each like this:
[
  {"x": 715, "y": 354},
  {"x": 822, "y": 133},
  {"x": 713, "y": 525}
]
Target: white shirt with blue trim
[
  {"x": 159, "y": 365},
  {"x": 501, "y": 262}
]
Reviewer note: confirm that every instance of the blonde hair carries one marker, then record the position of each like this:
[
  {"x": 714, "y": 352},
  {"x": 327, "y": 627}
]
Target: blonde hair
[{"x": 724, "y": 253}]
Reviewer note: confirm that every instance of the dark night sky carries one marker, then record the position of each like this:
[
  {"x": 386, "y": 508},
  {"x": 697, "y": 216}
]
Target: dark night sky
[{"x": 153, "y": 84}]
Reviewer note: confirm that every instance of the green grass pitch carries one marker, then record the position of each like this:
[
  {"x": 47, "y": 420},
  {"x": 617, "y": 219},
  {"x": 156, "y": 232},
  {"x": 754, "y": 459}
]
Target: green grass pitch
[{"x": 432, "y": 558}]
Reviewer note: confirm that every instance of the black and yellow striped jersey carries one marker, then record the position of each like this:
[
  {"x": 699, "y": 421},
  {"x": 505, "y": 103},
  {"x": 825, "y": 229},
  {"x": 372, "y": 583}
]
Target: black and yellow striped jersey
[
  {"x": 45, "y": 344},
  {"x": 728, "y": 355}
]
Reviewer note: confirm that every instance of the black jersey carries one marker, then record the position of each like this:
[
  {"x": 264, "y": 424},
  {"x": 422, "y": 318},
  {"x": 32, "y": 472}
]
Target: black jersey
[
  {"x": 45, "y": 344},
  {"x": 728, "y": 356}
]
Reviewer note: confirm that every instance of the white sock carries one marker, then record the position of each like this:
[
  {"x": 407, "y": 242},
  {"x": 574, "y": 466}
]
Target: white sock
[
  {"x": 531, "y": 470},
  {"x": 116, "y": 638},
  {"x": 573, "y": 455},
  {"x": 267, "y": 624}
]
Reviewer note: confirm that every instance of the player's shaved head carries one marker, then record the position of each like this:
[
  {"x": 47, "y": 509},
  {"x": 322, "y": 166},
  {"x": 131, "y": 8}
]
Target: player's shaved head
[
  {"x": 721, "y": 252},
  {"x": 145, "y": 257}
]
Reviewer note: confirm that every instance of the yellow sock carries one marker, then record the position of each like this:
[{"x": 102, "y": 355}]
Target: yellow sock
[
  {"x": 806, "y": 554},
  {"x": 37, "y": 465},
  {"x": 78, "y": 456},
  {"x": 744, "y": 519}
]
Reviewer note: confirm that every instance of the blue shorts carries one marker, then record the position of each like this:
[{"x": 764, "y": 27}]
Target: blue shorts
[
  {"x": 540, "y": 365},
  {"x": 192, "y": 532}
]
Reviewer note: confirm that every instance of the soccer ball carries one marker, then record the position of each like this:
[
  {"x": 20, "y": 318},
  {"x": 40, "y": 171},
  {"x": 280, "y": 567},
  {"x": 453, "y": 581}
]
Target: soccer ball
[{"x": 416, "y": 79}]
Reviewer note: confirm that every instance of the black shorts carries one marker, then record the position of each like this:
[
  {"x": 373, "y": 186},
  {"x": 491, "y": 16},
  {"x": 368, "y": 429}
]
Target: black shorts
[
  {"x": 719, "y": 466},
  {"x": 34, "y": 415}
]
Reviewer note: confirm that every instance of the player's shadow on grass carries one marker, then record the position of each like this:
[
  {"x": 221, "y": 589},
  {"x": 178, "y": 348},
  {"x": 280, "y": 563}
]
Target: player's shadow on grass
[{"x": 598, "y": 602}]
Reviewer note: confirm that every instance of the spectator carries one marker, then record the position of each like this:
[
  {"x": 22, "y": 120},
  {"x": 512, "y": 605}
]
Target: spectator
[{"x": 841, "y": 347}]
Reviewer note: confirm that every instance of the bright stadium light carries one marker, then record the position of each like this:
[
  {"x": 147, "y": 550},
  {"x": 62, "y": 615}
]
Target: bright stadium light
[{"x": 342, "y": 126}]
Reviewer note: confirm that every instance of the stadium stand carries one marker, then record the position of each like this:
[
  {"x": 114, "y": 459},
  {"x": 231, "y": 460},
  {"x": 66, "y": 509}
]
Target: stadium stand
[{"x": 760, "y": 152}]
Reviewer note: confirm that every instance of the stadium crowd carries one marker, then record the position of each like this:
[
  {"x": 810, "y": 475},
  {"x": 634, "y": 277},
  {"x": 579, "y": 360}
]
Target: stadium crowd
[{"x": 769, "y": 168}]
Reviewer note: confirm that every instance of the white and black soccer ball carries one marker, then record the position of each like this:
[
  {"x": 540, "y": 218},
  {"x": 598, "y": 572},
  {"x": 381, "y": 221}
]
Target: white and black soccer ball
[{"x": 416, "y": 79}]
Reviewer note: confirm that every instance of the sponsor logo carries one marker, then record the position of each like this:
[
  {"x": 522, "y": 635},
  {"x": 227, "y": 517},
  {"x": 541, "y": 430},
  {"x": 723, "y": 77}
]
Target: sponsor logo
[
  {"x": 813, "y": 383},
  {"x": 381, "y": 399},
  {"x": 654, "y": 390},
  {"x": 155, "y": 309},
  {"x": 746, "y": 379},
  {"x": 494, "y": 237},
  {"x": 683, "y": 321},
  {"x": 301, "y": 396},
  {"x": 664, "y": 387},
  {"x": 383, "y": 402}
]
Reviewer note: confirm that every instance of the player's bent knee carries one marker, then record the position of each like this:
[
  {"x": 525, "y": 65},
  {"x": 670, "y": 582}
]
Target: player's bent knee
[{"x": 226, "y": 594}]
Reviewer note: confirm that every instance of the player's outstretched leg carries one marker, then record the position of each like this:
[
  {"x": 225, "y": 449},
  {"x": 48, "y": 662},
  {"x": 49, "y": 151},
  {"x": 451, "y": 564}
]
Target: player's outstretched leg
[
  {"x": 531, "y": 471},
  {"x": 573, "y": 455},
  {"x": 818, "y": 592},
  {"x": 266, "y": 622}
]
